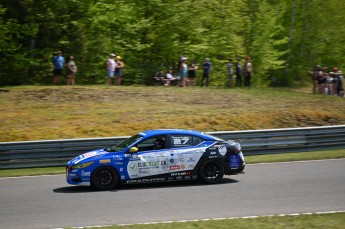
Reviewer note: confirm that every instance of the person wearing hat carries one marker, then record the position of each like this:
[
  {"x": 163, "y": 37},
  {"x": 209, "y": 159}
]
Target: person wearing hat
[
  {"x": 58, "y": 61},
  {"x": 230, "y": 72},
  {"x": 183, "y": 72},
  {"x": 118, "y": 70},
  {"x": 110, "y": 66}
]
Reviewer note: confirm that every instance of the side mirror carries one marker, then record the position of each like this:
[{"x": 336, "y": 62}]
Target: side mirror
[{"x": 133, "y": 150}]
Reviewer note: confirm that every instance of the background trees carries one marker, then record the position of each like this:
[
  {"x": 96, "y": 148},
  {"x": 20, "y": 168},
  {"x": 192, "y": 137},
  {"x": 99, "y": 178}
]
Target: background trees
[{"x": 285, "y": 38}]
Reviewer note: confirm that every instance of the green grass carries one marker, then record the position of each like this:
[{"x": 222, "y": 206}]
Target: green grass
[
  {"x": 322, "y": 221},
  {"x": 318, "y": 155},
  {"x": 61, "y": 112}
]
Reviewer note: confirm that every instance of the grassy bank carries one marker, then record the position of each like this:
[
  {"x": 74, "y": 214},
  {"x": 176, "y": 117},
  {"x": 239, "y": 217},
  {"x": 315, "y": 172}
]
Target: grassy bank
[{"x": 61, "y": 112}]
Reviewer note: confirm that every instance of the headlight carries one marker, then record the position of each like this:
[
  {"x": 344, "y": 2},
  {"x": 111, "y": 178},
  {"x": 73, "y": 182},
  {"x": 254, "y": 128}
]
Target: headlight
[{"x": 81, "y": 166}]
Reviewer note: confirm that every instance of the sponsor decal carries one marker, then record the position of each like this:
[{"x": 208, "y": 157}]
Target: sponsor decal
[
  {"x": 191, "y": 159},
  {"x": 104, "y": 161},
  {"x": 150, "y": 163},
  {"x": 234, "y": 161},
  {"x": 222, "y": 150},
  {"x": 133, "y": 166},
  {"x": 171, "y": 160},
  {"x": 146, "y": 180},
  {"x": 122, "y": 177},
  {"x": 144, "y": 172},
  {"x": 183, "y": 166},
  {"x": 117, "y": 158},
  {"x": 118, "y": 163},
  {"x": 175, "y": 167},
  {"x": 85, "y": 174},
  {"x": 213, "y": 156},
  {"x": 180, "y": 174}
]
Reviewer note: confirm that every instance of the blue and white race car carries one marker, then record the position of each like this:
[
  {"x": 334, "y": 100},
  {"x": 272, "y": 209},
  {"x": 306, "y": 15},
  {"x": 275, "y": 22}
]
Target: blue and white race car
[{"x": 158, "y": 156}]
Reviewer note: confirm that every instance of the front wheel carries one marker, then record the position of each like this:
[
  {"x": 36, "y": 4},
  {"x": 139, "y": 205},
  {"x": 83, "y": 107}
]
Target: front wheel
[
  {"x": 211, "y": 172},
  {"x": 104, "y": 178}
]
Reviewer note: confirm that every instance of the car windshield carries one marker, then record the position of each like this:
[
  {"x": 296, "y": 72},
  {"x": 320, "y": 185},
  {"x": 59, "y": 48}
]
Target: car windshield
[{"x": 125, "y": 143}]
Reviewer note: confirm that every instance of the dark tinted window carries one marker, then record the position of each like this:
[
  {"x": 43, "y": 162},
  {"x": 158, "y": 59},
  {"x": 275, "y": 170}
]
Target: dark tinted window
[
  {"x": 153, "y": 143},
  {"x": 178, "y": 141}
]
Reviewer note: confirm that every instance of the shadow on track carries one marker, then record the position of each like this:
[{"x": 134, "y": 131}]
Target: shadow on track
[{"x": 124, "y": 187}]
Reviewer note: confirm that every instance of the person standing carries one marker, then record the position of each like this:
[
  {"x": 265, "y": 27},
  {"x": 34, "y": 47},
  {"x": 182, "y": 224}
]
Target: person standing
[
  {"x": 183, "y": 72},
  {"x": 238, "y": 73},
  {"x": 71, "y": 71},
  {"x": 58, "y": 62},
  {"x": 230, "y": 72},
  {"x": 192, "y": 73},
  {"x": 248, "y": 71},
  {"x": 207, "y": 68},
  {"x": 118, "y": 70},
  {"x": 110, "y": 66}
]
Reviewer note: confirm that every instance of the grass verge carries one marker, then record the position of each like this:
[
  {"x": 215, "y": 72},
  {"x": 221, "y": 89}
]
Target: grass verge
[
  {"x": 334, "y": 220},
  {"x": 317, "y": 155}
]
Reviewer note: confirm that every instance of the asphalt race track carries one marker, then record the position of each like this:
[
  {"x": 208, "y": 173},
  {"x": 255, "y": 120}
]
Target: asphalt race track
[{"x": 265, "y": 189}]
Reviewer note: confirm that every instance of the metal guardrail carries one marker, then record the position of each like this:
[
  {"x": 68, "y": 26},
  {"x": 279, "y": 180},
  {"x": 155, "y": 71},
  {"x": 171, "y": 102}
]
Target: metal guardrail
[{"x": 29, "y": 154}]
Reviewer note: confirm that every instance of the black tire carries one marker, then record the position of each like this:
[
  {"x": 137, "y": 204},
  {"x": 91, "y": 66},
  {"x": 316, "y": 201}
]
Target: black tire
[
  {"x": 104, "y": 178},
  {"x": 211, "y": 172}
]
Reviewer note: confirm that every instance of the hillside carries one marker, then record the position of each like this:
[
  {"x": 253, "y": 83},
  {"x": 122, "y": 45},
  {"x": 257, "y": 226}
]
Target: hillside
[{"x": 61, "y": 112}]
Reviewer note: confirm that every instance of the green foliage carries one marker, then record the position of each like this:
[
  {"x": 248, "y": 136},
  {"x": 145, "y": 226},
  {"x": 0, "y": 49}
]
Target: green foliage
[{"x": 284, "y": 38}]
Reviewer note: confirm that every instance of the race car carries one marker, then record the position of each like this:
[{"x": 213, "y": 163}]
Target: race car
[{"x": 158, "y": 156}]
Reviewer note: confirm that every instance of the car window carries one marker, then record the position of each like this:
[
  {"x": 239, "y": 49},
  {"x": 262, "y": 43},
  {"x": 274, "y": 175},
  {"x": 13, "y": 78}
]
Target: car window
[
  {"x": 152, "y": 143},
  {"x": 178, "y": 141}
]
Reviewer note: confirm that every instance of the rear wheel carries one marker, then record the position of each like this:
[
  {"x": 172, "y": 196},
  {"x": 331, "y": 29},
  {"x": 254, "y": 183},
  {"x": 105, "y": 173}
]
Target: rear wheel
[
  {"x": 104, "y": 178},
  {"x": 211, "y": 172}
]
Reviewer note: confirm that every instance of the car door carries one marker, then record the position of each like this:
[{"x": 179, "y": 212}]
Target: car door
[
  {"x": 185, "y": 152},
  {"x": 151, "y": 160}
]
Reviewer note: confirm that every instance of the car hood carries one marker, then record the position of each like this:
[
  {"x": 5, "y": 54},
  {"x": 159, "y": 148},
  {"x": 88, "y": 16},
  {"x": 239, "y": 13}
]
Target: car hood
[{"x": 89, "y": 155}]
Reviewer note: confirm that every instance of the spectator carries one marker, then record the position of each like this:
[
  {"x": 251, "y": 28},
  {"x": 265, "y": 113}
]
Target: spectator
[
  {"x": 238, "y": 73},
  {"x": 110, "y": 66},
  {"x": 159, "y": 78},
  {"x": 230, "y": 72},
  {"x": 71, "y": 71},
  {"x": 207, "y": 68},
  {"x": 58, "y": 61},
  {"x": 169, "y": 79},
  {"x": 314, "y": 78},
  {"x": 183, "y": 72},
  {"x": 321, "y": 80},
  {"x": 192, "y": 73},
  {"x": 118, "y": 70},
  {"x": 330, "y": 83},
  {"x": 248, "y": 71},
  {"x": 338, "y": 81}
]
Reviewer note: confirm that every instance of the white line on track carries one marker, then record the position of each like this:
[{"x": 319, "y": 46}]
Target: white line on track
[{"x": 201, "y": 220}]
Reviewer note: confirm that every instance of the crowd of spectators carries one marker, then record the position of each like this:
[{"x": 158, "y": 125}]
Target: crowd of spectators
[{"x": 327, "y": 82}]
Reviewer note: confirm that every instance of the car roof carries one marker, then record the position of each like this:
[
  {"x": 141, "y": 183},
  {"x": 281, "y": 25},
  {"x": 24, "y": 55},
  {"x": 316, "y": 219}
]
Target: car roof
[{"x": 150, "y": 133}]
